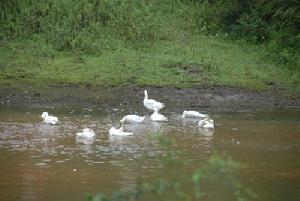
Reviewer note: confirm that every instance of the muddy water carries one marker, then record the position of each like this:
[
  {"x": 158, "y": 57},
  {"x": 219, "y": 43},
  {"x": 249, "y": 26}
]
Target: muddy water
[{"x": 44, "y": 162}]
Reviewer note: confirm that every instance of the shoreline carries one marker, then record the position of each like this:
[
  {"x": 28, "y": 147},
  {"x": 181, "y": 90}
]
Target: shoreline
[{"x": 208, "y": 98}]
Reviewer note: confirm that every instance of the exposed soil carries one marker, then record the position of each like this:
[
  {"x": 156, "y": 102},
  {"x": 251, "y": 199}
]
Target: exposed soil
[{"x": 209, "y": 98}]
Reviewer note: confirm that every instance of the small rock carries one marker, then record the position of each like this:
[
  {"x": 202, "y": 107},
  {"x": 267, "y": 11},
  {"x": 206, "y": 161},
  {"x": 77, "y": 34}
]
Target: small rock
[
  {"x": 270, "y": 83},
  {"x": 37, "y": 94}
]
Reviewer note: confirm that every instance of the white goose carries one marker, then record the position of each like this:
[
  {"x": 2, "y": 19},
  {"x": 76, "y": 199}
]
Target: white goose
[
  {"x": 118, "y": 132},
  {"x": 49, "y": 119},
  {"x": 86, "y": 133},
  {"x": 193, "y": 114},
  {"x": 207, "y": 132},
  {"x": 206, "y": 123},
  {"x": 152, "y": 104},
  {"x": 158, "y": 117},
  {"x": 132, "y": 118}
]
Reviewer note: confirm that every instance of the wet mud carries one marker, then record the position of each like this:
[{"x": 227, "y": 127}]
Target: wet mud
[{"x": 209, "y": 98}]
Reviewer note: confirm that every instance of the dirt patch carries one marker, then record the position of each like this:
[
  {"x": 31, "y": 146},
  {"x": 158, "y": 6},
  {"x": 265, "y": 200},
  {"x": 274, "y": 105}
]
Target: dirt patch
[
  {"x": 189, "y": 68},
  {"x": 208, "y": 98}
]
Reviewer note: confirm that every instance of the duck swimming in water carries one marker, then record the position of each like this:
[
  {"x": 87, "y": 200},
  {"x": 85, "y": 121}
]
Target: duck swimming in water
[
  {"x": 158, "y": 117},
  {"x": 118, "y": 132},
  {"x": 206, "y": 123},
  {"x": 193, "y": 114},
  {"x": 49, "y": 119},
  {"x": 86, "y": 133},
  {"x": 132, "y": 118}
]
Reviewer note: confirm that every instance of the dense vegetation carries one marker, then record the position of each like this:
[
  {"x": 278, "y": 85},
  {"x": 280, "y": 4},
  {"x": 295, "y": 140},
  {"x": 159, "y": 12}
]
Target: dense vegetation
[
  {"x": 274, "y": 22},
  {"x": 80, "y": 25},
  {"x": 138, "y": 29}
]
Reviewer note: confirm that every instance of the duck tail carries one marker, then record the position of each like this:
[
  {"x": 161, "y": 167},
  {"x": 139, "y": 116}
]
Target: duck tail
[{"x": 123, "y": 120}]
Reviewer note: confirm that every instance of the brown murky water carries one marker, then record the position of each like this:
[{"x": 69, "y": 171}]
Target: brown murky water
[{"x": 38, "y": 161}]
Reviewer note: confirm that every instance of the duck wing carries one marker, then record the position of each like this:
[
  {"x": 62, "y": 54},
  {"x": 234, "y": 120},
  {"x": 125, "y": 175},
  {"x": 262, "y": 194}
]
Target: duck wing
[{"x": 154, "y": 103}]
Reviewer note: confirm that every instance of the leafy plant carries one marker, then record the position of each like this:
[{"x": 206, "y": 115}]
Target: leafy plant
[{"x": 218, "y": 170}]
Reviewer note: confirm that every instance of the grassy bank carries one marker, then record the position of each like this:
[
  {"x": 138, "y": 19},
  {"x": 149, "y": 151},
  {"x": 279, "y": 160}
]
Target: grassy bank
[
  {"x": 156, "y": 45},
  {"x": 185, "y": 61}
]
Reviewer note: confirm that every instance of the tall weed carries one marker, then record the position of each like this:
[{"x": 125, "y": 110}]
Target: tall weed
[
  {"x": 79, "y": 25},
  {"x": 275, "y": 23}
]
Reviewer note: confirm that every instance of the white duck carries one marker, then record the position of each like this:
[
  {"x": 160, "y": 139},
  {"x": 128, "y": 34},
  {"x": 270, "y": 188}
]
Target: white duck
[
  {"x": 49, "y": 119},
  {"x": 152, "y": 104},
  {"x": 158, "y": 117},
  {"x": 207, "y": 132},
  {"x": 86, "y": 133},
  {"x": 132, "y": 118},
  {"x": 206, "y": 123},
  {"x": 193, "y": 114},
  {"x": 118, "y": 132}
]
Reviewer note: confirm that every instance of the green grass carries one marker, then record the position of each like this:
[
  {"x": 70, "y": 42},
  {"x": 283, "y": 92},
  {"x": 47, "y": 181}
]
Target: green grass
[
  {"x": 183, "y": 61},
  {"x": 149, "y": 43}
]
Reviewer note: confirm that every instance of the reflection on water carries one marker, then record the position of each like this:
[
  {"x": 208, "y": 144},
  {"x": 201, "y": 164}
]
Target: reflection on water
[{"x": 46, "y": 162}]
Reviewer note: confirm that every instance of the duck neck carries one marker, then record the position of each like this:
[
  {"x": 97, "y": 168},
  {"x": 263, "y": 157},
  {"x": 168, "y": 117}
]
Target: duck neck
[
  {"x": 44, "y": 115},
  {"x": 146, "y": 94}
]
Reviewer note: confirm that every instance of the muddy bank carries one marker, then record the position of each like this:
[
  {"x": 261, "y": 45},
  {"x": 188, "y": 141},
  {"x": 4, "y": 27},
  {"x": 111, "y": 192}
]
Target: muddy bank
[{"x": 208, "y": 98}]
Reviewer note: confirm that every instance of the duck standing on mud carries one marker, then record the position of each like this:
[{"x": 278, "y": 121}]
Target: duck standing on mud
[{"x": 152, "y": 104}]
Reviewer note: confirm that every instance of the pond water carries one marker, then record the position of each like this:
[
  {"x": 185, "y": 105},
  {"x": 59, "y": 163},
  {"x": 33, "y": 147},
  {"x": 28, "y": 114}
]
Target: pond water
[{"x": 44, "y": 162}]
